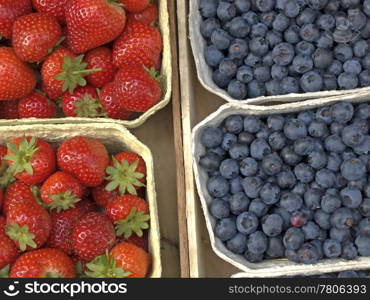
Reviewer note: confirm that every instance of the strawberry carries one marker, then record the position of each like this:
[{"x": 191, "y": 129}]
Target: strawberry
[
  {"x": 126, "y": 173},
  {"x": 43, "y": 263},
  {"x": 102, "y": 197},
  {"x": 147, "y": 16},
  {"x": 20, "y": 192},
  {"x": 55, "y": 8},
  {"x": 9, "y": 109},
  {"x": 28, "y": 225},
  {"x": 100, "y": 58},
  {"x": 36, "y": 105},
  {"x": 139, "y": 45},
  {"x": 2, "y": 225},
  {"x": 136, "y": 90},
  {"x": 135, "y": 5},
  {"x": 112, "y": 107},
  {"x": 63, "y": 223},
  {"x": 83, "y": 102},
  {"x": 92, "y": 236},
  {"x": 34, "y": 36},
  {"x": 130, "y": 214},
  {"x": 140, "y": 241},
  {"x": 9, "y": 251},
  {"x": 85, "y": 158},
  {"x": 124, "y": 260},
  {"x": 101, "y": 23},
  {"x": 63, "y": 71},
  {"x": 10, "y": 10},
  {"x": 61, "y": 191},
  {"x": 11, "y": 68},
  {"x": 30, "y": 159}
]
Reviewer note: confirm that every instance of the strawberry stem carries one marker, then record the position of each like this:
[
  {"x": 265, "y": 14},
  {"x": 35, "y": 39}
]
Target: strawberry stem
[
  {"x": 134, "y": 222},
  {"x": 88, "y": 107},
  {"x": 21, "y": 235},
  {"x": 105, "y": 266},
  {"x": 4, "y": 272},
  {"x": 63, "y": 201},
  {"x": 87, "y": 72}
]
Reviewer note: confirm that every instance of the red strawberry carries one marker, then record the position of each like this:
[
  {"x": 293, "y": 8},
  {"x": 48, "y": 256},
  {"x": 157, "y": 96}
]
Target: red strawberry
[
  {"x": 61, "y": 191},
  {"x": 63, "y": 223},
  {"x": 140, "y": 44},
  {"x": 124, "y": 260},
  {"x": 30, "y": 159},
  {"x": 36, "y": 105},
  {"x": 28, "y": 225},
  {"x": 130, "y": 214},
  {"x": 92, "y": 236},
  {"x": 135, "y": 5},
  {"x": 112, "y": 107},
  {"x": 9, "y": 251},
  {"x": 100, "y": 58},
  {"x": 20, "y": 192},
  {"x": 11, "y": 68},
  {"x": 103, "y": 197},
  {"x": 63, "y": 71},
  {"x": 10, "y": 10},
  {"x": 126, "y": 173},
  {"x": 140, "y": 241},
  {"x": 9, "y": 109},
  {"x": 35, "y": 35},
  {"x": 101, "y": 23},
  {"x": 85, "y": 158},
  {"x": 83, "y": 102},
  {"x": 147, "y": 16},
  {"x": 136, "y": 90},
  {"x": 2, "y": 225},
  {"x": 43, "y": 263},
  {"x": 55, "y": 8}
]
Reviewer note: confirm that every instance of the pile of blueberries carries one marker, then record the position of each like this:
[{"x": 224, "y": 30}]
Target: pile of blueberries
[
  {"x": 345, "y": 274},
  {"x": 276, "y": 47},
  {"x": 293, "y": 185}
]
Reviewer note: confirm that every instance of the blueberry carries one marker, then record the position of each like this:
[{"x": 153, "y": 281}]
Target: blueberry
[
  {"x": 306, "y": 116},
  {"x": 295, "y": 129},
  {"x": 248, "y": 166},
  {"x": 251, "y": 17},
  {"x": 237, "y": 89},
  {"x": 258, "y": 208},
  {"x": 333, "y": 143},
  {"x": 258, "y": 46},
  {"x": 270, "y": 193},
  {"x": 252, "y": 186},
  {"x": 334, "y": 162},
  {"x": 242, "y": 6},
  {"x": 267, "y": 18},
  {"x": 330, "y": 203},
  {"x": 364, "y": 78},
  {"x": 213, "y": 56},
  {"x": 283, "y": 54},
  {"x": 357, "y": 18},
  {"x": 219, "y": 151},
  {"x": 322, "y": 58},
  {"x": 349, "y": 251},
  {"x": 259, "y": 148},
  {"x": 237, "y": 244},
  {"x": 336, "y": 128},
  {"x": 226, "y": 11},
  {"x": 363, "y": 111},
  {"x": 277, "y": 140},
  {"x": 304, "y": 173},
  {"x": 302, "y": 63},
  {"x": 324, "y": 114},
  {"x": 364, "y": 147},
  {"x": 289, "y": 85},
  {"x": 252, "y": 257},
  {"x": 238, "y": 50},
  {"x": 220, "y": 79},
  {"x": 352, "y": 136},
  {"x": 239, "y": 27},
  {"x": 342, "y": 218},
  {"x": 341, "y": 235},
  {"x": 317, "y": 159},
  {"x": 272, "y": 225},
  {"x": 290, "y": 201},
  {"x": 292, "y": 255},
  {"x": 245, "y": 74},
  {"x": 228, "y": 140},
  {"x": 280, "y": 23},
  {"x": 258, "y": 30},
  {"x": 275, "y": 122},
  {"x": 304, "y": 48},
  {"x": 228, "y": 67},
  {"x": 322, "y": 219},
  {"x": 239, "y": 203},
  {"x": 291, "y": 35},
  {"x": 225, "y": 229},
  {"x": 343, "y": 52},
  {"x": 360, "y": 48},
  {"x": 219, "y": 209},
  {"x": 332, "y": 248},
  {"x": 308, "y": 254},
  {"x": 255, "y": 89},
  {"x": 275, "y": 247},
  {"x": 211, "y": 137},
  {"x": 293, "y": 238},
  {"x": 348, "y": 274},
  {"x": 263, "y": 133},
  {"x": 342, "y": 112},
  {"x": 317, "y": 4},
  {"x": 262, "y": 74},
  {"x": 252, "y": 124},
  {"x": 209, "y": 26},
  {"x": 310, "y": 231},
  {"x": 318, "y": 129},
  {"x": 325, "y": 22},
  {"x": 335, "y": 67},
  {"x": 238, "y": 151},
  {"x": 234, "y": 124},
  {"x": 252, "y": 60},
  {"x": 304, "y": 146},
  {"x": 353, "y": 169},
  {"x": 311, "y": 82},
  {"x": 220, "y": 39},
  {"x": 364, "y": 227},
  {"x": 218, "y": 186},
  {"x": 312, "y": 198},
  {"x": 208, "y": 8},
  {"x": 273, "y": 38},
  {"x": 306, "y": 16},
  {"x": 210, "y": 161},
  {"x": 332, "y": 6},
  {"x": 257, "y": 242},
  {"x": 229, "y": 168},
  {"x": 271, "y": 164},
  {"x": 325, "y": 42},
  {"x": 309, "y": 32},
  {"x": 273, "y": 87},
  {"x": 289, "y": 156},
  {"x": 325, "y": 178},
  {"x": 291, "y": 8},
  {"x": 362, "y": 243},
  {"x": 352, "y": 66},
  {"x": 298, "y": 219}
]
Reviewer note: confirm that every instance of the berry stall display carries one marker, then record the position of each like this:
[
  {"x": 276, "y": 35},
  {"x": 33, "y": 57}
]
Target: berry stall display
[
  {"x": 102, "y": 64},
  {"x": 278, "y": 47},
  {"x": 71, "y": 209},
  {"x": 293, "y": 185}
]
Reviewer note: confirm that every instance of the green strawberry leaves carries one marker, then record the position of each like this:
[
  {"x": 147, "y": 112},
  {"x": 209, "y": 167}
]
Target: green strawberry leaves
[
  {"x": 105, "y": 266},
  {"x": 21, "y": 235},
  {"x": 135, "y": 222},
  {"x": 88, "y": 107},
  {"x": 4, "y": 272},
  {"x": 63, "y": 201}
]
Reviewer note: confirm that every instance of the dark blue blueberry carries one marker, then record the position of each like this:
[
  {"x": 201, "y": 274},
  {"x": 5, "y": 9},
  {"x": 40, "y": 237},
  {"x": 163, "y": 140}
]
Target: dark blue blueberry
[
  {"x": 318, "y": 129},
  {"x": 363, "y": 111},
  {"x": 352, "y": 136},
  {"x": 342, "y": 112},
  {"x": 311, "y": 231},
  {"x": 235, "y": 185},
  {"x": 365, "y": 207},
  {"x": 275, "y": 247},
  {"x": 283, "y": 54},
  {"x": 219, "y": 209},
  {"x": 333, "y": 143},
  {"x": 252, "y": 124},
  {"x": 271, "y": 164},
  {"x": 272, "y": 225},
  {"x": 239, "y": 203},
  {"x": 277, "y": 140},
  {"x": 306, "y": 116},
  {"x": 343, "y": 52},
  {"x": 218, "y": 186},
  {"x": 300, "y": 188},
  {"x": 273, "y": 38},
  {"x": 293, "y": 238},
  {"x": 325, "y": 42},
  {"x": 364, "y": 227},
  {"x": 251, "y": 17},
  {"x": 278, "y": 72},
  {"x": 247, "y": 223},
  {"x": 342, "y": 218},
  {"x": 228, "y": 67},
  {"x": 302, "y": 63},
  {"x": 362, "y": 242},
  {"x": 304, "y": 173},
  {"x": 356, "y": 18},
  {"x": 309, "y": 32},
  {"x": 221, "y": 39},
  {"x": 317, "y": 159},
  {"x": 290, "y": 201},
  {"x": 324, "y": 114},
  {"x": 263, "y": 133},
  {"x": 237, "y": 89},
  {"x": 252, "y": 60},
  {"x": 291, "y": 8},
  {"x": 228, "y": 140},
  {"x": 238, "y": 151},
  {"x": 258, "y": 46},
  {"x": 213, "y": 56},
  {"x": 238, "y": 50},
  {"x": 334, "y": 161},
  {"x": 295, "y": 129},
  {"x": 366, "y": 62},
  {"x": 208, "y": 26},
  {"x": 364, "y": 147},
  {"x": 308, "y": 254},
  {"x": 289, "y": 85},
  {"x": 325, "y": 22},
  {"x": 259, "y": 148},
  {"x": 239, "y": 27},
  {"x": 252, "y": 186},
  {"x": 322, "y": 219},
  {"x": 237, "y": 244},
  {"x": 360, "y": 48},
  {"x": 352, "y": 66},
  {"x": 306, "y": 16},
  {"x": 270, "y": 193},
  {"x": 289, "y": 156},
  {"x": 335, "y": 67},
  {"x": 256, "y": 89},
  {"x": 275, "y": 122},
  {"x": 208, "y": 8},
  {"x": 364, "y": 78},
  {"x": 341, "y": 235},
  {"x": 220, "y": 79},
  {"x": 312, "y": 198},
  {"x": 219, "y": 151},
  {"x": 273, "y": 87},
  {"x": 245, "y": 74},
  {"x": 265, "y": 5},
  {"x": 353, "y": 169},
  {"x": 258, "y": 30},
  {"x": 292, "y": 255},
  {"x": 304, "y": 146},
  {"x": 336, "y": 128},
  {"x": 311, "y": 82},
  {"x": 248, "y": 167},
  {"x": 322, "y": 58},
  {"x": 262, "y": 74},
  {"x": 330, "y": 203},
  {"x": 234, "y": 124},
  {"x": 281, "y": 22},
  {"x": 325, "y": 178},
  {"x": 225, "y": 229},
  {"x": 349, "y": 251},
  {"x": 257, "y": 242},
  {"x": 210, "y": 161},
  {"x": 229, "y": 168},
  {"x": 258, "y": 208},
  {"x": 226, "y": 11},
  {"x": 211, "y": 137},
  {"x": 268, "y": 17},
  {"x": 242, "y": 6},
  {"x": 252, "y": 257},
  {"x": 267, "y": 61},
  {"x": 332, "y": 248},
  {"x": 304, "y": 48},
  {"x": 245, "y": 138}
]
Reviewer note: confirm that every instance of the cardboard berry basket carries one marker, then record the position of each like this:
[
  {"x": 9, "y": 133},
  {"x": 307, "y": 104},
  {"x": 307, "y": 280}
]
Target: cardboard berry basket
[
  {"x": 117, "y": 139},
  {"x": 204, "y": 72},
  {"x": 166, "y": 84},
  {"x": 268, "y": 267}
]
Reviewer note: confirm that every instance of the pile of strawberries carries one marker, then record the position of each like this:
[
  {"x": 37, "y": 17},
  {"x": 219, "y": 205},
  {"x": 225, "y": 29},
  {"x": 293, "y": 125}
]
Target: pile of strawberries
[
  {"x": 69, "y": 210},
  {"x": 87, "y": 58}
]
